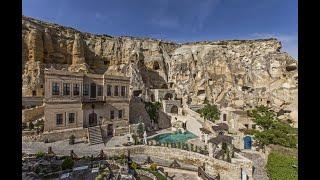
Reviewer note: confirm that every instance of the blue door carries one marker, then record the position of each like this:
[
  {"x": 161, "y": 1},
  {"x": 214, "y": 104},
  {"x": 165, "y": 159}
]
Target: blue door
[{"x": 247, "y": 142}]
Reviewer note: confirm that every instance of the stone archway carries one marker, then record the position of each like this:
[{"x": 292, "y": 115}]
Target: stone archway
[
  {"x": 168, "y": 96},
  {"x": 174, "y": 109}
]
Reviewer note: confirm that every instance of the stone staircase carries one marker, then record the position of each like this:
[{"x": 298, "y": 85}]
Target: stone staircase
[{"x": 95, "y": 135}]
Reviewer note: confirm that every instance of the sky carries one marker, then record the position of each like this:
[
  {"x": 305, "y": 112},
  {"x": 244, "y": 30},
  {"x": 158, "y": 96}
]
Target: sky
[{"x": 176, "y": 20}]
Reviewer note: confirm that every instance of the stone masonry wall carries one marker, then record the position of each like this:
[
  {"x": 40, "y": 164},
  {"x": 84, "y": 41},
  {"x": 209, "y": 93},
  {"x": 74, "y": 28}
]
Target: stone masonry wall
[
  {"x": 227, "y": 170},
  {"x": 32, "y": 114}
]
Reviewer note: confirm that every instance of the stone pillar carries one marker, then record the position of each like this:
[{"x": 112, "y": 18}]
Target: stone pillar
[{"x": 206, "y": 138}]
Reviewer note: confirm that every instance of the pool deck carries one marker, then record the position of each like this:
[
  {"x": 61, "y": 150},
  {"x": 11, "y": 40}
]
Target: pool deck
[{"x": 162, "y": 131}]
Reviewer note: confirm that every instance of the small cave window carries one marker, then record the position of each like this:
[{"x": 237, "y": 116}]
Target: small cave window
[
  {"x": 201, "y": 92},
  {"x": 156, "y": 66},
  {"x": 106, "y": 62},
  {"x": 34, "y": 93}
]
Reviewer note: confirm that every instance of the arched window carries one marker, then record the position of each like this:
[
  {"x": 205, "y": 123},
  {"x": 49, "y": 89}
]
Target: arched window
[{"x": 174, "y": 109}]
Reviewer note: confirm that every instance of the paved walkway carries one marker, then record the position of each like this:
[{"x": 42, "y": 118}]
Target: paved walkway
[
  {"x": 259, "y": 163},
  {"x": 80, "y": 148}
]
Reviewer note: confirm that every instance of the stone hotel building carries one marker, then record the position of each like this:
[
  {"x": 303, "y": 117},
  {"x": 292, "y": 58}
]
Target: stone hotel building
[{"x": 76, "y": 100}]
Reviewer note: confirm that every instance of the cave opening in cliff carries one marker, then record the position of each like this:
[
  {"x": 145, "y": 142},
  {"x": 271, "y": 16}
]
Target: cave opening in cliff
[
  {"x": 136, "y": 93},
  {"x": 156, "y": 66},
  {"x": 168, "y": 96},
  {"x": 201, "y": 92},
  {"x": 106, "y": 62},
  {"x": 291, "y": 68},
  {"x": 164, "y": 86}
]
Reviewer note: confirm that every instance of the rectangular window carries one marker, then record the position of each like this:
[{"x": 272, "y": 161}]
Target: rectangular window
[
  {"x": 66, "y": 89},
  {"x": 123, "y": 90},
  {"x": 116, "y": 91},
  {"x": 34, "y": 93},
  {"x": 86, "y": 89},
  {"x": 59, "y": 119},
  {"x": 108, "y": 90},
  {"x": 120, "y": 114},
  {"x": 72, "y": 117},
  {"x": 76, "y": 89},
  {"x": 224, "y": 117},
  {"x": 111, "y": 114},
  {"x": 100, "y": 90},
  {"x": 55, "y": 89}
]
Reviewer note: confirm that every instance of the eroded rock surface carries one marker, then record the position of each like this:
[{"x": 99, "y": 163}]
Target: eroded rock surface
[{"x": 237, "y": 73}]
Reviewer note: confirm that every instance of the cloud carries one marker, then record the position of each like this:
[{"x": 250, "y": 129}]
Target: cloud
[
  {"x": 289, "y": 42},
  {"x": 100, "y": 16},
  {"x": 189, "y": 14},
  {"x": 166, "y": 22}
]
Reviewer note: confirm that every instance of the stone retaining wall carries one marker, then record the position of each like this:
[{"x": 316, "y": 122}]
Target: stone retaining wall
[
  {"x": 226, "y": 170},
  {"x": 32, "y": 114},
  {"x": 64, "y": 134}
]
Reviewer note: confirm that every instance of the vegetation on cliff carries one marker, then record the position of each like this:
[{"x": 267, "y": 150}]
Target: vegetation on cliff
[
  {"x": 210, "y": 112},
  {"x": 273, "y": 130}
]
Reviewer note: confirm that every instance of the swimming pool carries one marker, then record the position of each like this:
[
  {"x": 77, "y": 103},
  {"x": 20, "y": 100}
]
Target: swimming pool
[{"x": 174, "y": 137}]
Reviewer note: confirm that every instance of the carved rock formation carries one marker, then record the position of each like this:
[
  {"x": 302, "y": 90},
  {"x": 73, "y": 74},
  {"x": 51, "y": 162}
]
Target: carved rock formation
[{"x": 236, "y": 73}]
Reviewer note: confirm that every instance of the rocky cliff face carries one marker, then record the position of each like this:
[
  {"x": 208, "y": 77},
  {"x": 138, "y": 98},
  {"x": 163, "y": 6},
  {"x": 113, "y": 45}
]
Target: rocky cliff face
[{"x": 236, "y": 73}]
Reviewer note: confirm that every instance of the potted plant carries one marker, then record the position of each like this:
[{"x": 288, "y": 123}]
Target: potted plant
[{"x": 72, "y": 139}]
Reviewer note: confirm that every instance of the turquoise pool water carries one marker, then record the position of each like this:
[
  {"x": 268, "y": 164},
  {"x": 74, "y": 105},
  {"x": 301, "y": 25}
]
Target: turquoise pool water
[{"x": 174, "y": 137}]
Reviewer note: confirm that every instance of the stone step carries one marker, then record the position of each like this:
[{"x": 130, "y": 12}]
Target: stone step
[{"x": 95, "y": 135}]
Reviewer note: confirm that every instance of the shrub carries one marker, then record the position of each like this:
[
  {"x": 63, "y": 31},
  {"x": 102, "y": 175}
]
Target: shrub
[
  {"x": 210, "y": 112},
  {"x": 31, "y": 125},
  {"x": 67, "y": 163},
  {"x": 135, "y": 139},
  {"x": 122, "y": 156},
  {"x": 140, "y": 129},
  {"x": 40, "y": 154},
  {"x": 72, "y": 139},
  {"x": 153, "y": 166},
  {"x": 134, "y": 165},
  {"x": 274, "y": 131},
  {"x": 280, "y": 166}
]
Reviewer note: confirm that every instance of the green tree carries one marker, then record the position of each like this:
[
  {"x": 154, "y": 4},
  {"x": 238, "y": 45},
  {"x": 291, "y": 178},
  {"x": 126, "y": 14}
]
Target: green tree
[
  {"x": 40, "y": 154},
  {"x": 140, "y": 129},
  {"x": 152, "y": 110},
  {"x": 274, "y": 131},
  {"x": 31, "y": 125},
  {"x": 67, "y": 163},
  {"x": 210, "y": 112}
]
